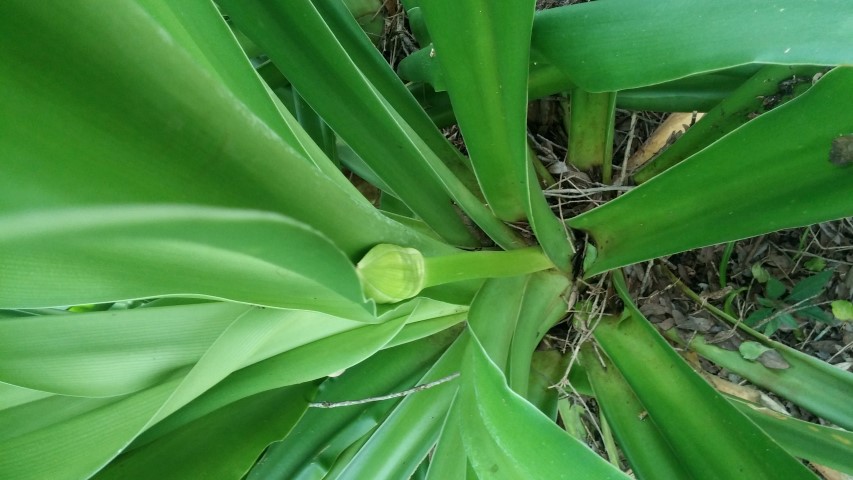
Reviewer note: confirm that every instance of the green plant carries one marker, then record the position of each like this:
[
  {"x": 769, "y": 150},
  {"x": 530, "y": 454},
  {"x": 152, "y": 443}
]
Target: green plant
[
  {"x": 184, "y": 195},
  {"x": 779, "y": 307}
]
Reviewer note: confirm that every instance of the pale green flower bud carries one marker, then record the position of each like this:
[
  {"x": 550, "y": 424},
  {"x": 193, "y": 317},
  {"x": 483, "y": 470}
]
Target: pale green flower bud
[{"x": 390, "y": 273}]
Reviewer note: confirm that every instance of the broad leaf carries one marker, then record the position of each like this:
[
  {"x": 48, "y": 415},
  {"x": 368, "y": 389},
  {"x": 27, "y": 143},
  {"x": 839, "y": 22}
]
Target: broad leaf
[
  {"x": 187, "y": 129},
  {"x": 304, "y": 48},
  {"x": 508, "y": 438},
  {"x": 713, "y": 35},
  {"x": 483, "y": 49},
  {"x": 644, "y": 445},
  {"x": 405, "y": 437},
  {"x": 809, "y": 287},
  {"x": 223, "y": 444},
  {"x": 322, "y": 434},
  {"x": 106, "y": 254},
  {"x": 244, "y": 337},
  {"x": 770, "y": 174},
  {"x": 681, "y": 403}
]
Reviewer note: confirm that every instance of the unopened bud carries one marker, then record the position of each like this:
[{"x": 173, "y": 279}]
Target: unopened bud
[{"x": 390, "y": 273}]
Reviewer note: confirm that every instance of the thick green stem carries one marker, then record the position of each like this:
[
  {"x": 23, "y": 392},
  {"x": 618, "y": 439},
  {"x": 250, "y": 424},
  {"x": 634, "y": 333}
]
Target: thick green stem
[
  {"x": 484, "y": 264},
  {"x": 390, "y": 273},
  {"x": 590, "y": 130}
]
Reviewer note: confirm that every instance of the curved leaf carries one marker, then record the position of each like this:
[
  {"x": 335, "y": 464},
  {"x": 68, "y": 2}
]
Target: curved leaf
[
  {"x": 772, "y": 173},
  {"x": 405, "y": 437},
  {"x": 303, "y": 46},
  {"x": 809, "y": 382},
  {"x": 322, "y": 433},
  {"x": 506, "y": 437},
  {"x": 712, "y": 35},
  {"x": 109, "y": 353},
  {"x": 173, "y": 126},
  {"x": 81, "y": 439},
  {"x": 643, "y": 444},
  {"x": 106, "y": 254},
  {"x": 820, "y": 444},
  {"x": 483, "y": 50},
  {"x": 681, "y": 403},
  {"x": 223, "y": 444}
]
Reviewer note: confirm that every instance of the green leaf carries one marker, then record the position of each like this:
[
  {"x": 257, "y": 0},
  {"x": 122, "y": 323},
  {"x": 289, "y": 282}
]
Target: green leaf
[
  {"x": 508, "y": 438},
  {"x": 590, "y": 130},
  {"x": 244, "y": 337},
  {"x": 84, "y": 255},
  {"x": 809, "y": 287},
  {"x": 543, "y": 306},
  {"x": 223, "y": 444},
  {"x": 778, "y": 321},
  {"x": 759, "y": 273},
  {"x": 666, "y": 385},
  {"x": 644, "y": 444},
  {"x": 405, "y": 437},
  {"x": 752, "y": 350},
  {"x": 775, "y": 288},
  {"x": 73, "y": 435},
  {"x": 483, "y": 50},
  {"x": 303, "y": 46},
  {"x": 104, "y": 354},
  {"x": 828, "y": 446},
  {"x": 193, "y": 126},
  {"x": 810, "y": 383},
  {"x": 765, "y": 302},
  {"x": 449, "y": 459},
  {"x": 744, "y": 103},
  {"x": 297, "y": 364},
  {"x": 842, "y": 310},
  {"x": 718, "y": 199},
  {"x": 814, "y": 313},
  {"x": 757, "y": 316},
  {"x": 716, "y": 34},
  {"x": 322, "y": 433},
  {"x": 816, "y": 264}
]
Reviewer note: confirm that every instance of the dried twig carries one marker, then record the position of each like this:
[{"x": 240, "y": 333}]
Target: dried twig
[{"x": 419, "y": 388}]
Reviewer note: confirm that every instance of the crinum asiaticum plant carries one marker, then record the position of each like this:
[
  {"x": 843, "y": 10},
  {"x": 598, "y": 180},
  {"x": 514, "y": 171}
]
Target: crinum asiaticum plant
[{"x": 184, "y": 268}]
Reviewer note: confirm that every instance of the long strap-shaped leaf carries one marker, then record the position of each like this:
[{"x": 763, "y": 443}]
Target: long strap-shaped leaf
[
  {"x": 223, "y": 444},
  {"x": 630, "y": 54},
  {"x": 681, "y": 403},
  {"x": 323, "y": 433},
  {"x": 80, "y": 443},
  {"x": 603, "y": 47},
  {"x": 646, "y": 449},
  {"x": 773, "y": 173},
  {"x": 504, "y": 315},
  {"x": 114, "y": 352},
  {"x": 173, "y": 126},
  {"x": 821, "y": 388},
  {"x": 405, "y": 437},
  {"x": 508, "y": 438},
  {"x": 304, "y": 48},
  {"x": 105, "y": 254},
  {"x": 104, "y": 354},
  {"x": 483, "y": 48}
]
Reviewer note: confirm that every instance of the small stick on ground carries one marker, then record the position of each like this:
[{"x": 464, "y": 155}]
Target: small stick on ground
[{"x": 419, "y": 388}]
